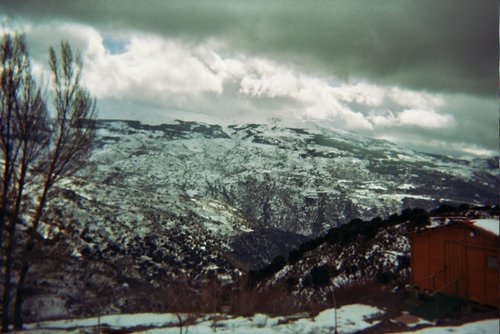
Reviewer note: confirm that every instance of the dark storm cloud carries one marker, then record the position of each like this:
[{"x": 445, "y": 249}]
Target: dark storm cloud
[
  {"x": 421, "y": 73},
  {"x": 440, "y": 46}
]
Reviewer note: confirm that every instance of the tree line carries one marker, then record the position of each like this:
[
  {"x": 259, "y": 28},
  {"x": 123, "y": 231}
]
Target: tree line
[
  {"x": 46, "y": 132},
  {"x": 347, "y": 233}
]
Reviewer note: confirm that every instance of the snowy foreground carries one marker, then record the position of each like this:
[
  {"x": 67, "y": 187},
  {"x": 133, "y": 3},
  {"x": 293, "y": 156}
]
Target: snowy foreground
[{"x": 351, "y": 319}]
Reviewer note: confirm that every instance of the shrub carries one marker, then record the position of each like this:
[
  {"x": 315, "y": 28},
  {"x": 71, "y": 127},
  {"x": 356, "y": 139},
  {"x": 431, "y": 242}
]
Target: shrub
[
  {"x": 404, "y": 262},
  {"x": 278, "y": 263},
  {"x": 255, "y": 276},
  {"x": 351, "y": 270},
  {"x": 464, "y": 207},
  {"x": 320, "y": 276},
  {"x": 419, "y": 217},
  {"x": 444, "y": 208},
  {"x": 385, "y": 277},
  {"x": 294, "y": 256},
  {"x": 291, "y": 282},
  {"x": 393, "y": 219},
  {"x": 348, "y": 234},
  {"x": 332, "y": 235},
  {"x": 377, "y": 221},
  {"x": 311, "y": 245}
]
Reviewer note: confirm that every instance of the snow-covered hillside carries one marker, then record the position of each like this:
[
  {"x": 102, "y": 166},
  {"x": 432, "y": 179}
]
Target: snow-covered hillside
[
  {"x": 358, "y": 254},
  {"x": 163, "y": 212},
  {"x": 297, "y": 180}
]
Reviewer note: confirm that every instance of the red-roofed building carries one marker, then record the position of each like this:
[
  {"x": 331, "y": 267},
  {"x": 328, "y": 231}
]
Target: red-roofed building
[{"x": 458, "y": 259}]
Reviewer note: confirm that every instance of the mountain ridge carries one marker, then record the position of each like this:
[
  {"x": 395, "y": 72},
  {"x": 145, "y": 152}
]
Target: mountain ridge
[
  {"x": 164, "y": 209},
  {"x": 215, "y": 161}
]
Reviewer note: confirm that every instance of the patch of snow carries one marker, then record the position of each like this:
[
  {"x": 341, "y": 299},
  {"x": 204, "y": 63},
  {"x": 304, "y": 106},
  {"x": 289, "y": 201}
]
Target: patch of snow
[
  {"x": 373, "y": 186},
  {"x": 406, "y": 186},
  {"x": 478, "y": 327},
  {"x": 350, "y": 319},
  {"x": 400, "y": 197},
  {"x": 115, "y": 321},
  {"x": 406, "y": 157},
  {"x": 490, "y": 225}
]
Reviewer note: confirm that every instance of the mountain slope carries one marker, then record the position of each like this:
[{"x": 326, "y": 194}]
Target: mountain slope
[
  {"x": 357, "y": 253},
  {"x": 162, "y": 211},
  {"x": 298, "y": 180}
]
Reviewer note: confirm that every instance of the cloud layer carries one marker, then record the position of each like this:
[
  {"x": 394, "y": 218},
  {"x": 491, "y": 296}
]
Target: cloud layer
[
  {"x": 404, "y": 71},
  {"x": 429, "y": 44}
]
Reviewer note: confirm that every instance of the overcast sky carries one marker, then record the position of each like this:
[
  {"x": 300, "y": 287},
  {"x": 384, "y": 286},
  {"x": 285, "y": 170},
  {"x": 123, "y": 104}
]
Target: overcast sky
[{"x": 421, "y": 73}]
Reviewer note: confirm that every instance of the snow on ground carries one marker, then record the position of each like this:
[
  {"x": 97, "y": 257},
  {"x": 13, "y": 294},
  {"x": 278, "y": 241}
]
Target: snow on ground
[
  {"x": 490, "y": 225},
  {"x": 115, "y": 321},
  {"x": 478, "y": 327},
  {"x": 351, "y": 319}
]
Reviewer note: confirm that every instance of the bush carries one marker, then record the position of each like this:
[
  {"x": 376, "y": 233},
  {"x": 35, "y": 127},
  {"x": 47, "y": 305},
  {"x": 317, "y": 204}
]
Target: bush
[
  {"x": 393, "y": 219},
  {"x": 404, "y": 262},
  {"x": 332, "y": 235},
  {"x": 320, "y": 276},
  {"x": 351, "y": 270},
  {"x": 278, "y": 263},
  {"x": 311, "y": 245},
  {"x": 385, "y": 277},
  {"x": 255, "y": 276},
  {"x": 444, "y": 208},
  {"x": 356, "y": 221},
  {"x": 294, "y": 256},
  {"x": 291, "y": 282},
  {"x": 377, "y": 221},
  {"x": 464, "y": 207},
  {"x": 348, "y": 234},
  {"x": 368, "y": 230},
  {"x": 419, "y": 218}
]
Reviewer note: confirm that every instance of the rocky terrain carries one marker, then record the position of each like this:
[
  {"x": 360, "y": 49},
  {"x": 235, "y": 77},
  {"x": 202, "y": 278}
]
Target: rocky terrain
[
  {"x": 297, "y": 180},
  {"x": 356, "y": 256},
  {"x": 164, "y": 211}
]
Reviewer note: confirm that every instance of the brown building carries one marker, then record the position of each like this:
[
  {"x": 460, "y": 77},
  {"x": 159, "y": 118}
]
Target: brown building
[{"x": 459, "y": 259}]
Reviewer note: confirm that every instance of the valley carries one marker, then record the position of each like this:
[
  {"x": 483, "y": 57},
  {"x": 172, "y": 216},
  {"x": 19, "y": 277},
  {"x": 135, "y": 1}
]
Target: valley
[{"x": 165, "y": 216}]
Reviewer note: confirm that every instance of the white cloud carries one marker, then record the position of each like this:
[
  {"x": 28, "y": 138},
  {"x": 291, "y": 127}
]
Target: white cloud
[
  {"x": 361, "y": 93},
  {"x": 150, "y": 67},
  {"x": 429, "y": 119},
  {"x": 472, "y": 150},
  {"x": 150, "y": 77},
  {"x": 176, "y": 74},
  {"x": 384, "y": 118},
  {"x": 315, "y": 96},
  {"x": 262, "y": 79},
  {"x": 374, "y": 96},
  {"x": 414, "y": 100},
  {"x": 425, "y": 119},
  {"x": 460, "y": 149}
]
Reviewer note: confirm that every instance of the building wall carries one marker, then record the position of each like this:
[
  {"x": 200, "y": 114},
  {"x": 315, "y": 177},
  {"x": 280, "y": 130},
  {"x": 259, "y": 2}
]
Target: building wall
[{"x": 458, "y": 260}]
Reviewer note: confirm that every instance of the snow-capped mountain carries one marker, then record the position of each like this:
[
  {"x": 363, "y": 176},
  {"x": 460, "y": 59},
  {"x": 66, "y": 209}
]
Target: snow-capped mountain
[
  {"x": 176, "y": 205},
  {"x": 298, "y": 180},
  {"x": 252, "y": 185}
]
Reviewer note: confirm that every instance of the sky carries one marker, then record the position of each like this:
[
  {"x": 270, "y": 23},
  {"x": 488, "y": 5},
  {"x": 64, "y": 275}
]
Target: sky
[{"x": 422, "y": 74}]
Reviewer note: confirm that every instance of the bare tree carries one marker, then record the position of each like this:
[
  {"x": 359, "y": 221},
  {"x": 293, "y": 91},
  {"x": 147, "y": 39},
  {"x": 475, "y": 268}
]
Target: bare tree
[
  {"x": 36, "y": 149},
  {"x": 23, "y": 129},
  {"x": 13, "y": 64},
  {"x": 71, "y": 136}
]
